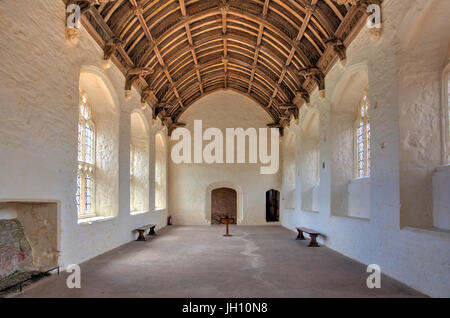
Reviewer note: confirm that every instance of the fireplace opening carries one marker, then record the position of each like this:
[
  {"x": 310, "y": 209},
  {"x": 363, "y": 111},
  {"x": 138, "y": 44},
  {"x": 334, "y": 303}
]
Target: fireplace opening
[
  {"x": 223, "y": 204},
  {"x": 28, "y": 240}
]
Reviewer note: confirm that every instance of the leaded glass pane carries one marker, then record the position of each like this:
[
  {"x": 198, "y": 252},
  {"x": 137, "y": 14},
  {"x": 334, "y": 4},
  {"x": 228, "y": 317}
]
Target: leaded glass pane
[
  {"x": 80, "y": 141},
  {"x": 362, "y": 136},
  {"x": 88, "y": 143},
  {"x": 88, "y": 184},
  {"x": 78, "y": 196}
]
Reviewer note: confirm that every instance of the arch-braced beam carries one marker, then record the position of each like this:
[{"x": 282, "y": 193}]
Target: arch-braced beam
[{"x": 183, "y": 49}]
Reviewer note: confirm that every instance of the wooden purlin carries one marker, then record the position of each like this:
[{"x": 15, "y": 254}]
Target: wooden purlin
[{"x": 197, "y": 47}]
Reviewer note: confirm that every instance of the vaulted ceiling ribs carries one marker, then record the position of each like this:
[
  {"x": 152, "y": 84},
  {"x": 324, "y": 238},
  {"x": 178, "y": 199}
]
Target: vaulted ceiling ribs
[{"x": 176, "y": 51}]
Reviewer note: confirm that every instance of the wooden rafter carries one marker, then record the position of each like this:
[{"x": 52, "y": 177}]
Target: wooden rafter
[
  {"x": 272, "y": 50},
  {"x": 140, "y": 15}
]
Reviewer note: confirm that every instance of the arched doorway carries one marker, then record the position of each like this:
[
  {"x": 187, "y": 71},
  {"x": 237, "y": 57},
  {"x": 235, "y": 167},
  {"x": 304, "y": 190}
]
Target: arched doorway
[
  {"x": 223, "y": 204},
  {"x": 272, "y": 206}
]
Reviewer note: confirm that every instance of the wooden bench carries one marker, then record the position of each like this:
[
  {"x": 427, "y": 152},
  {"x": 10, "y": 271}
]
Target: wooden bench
[
  {"x": 312, "y": 234},
  {"x": 142, "y": 229}
]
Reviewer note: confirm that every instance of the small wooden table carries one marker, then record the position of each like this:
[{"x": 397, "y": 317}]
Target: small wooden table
[
  {"x": 227, "y": 221},
  {"x": 312, "y": 234}
]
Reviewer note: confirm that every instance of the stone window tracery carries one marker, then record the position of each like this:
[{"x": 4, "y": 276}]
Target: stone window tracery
[
  {"x": 362, "y": 138},
  {"x": 86, "y": 160}
]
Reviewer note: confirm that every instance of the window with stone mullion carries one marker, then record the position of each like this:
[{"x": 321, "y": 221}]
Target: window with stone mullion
[{"x": 86, "y": 157}]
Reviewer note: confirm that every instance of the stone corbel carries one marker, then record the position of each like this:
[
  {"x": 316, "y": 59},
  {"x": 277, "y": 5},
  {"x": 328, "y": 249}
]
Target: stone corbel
[
  {"x": 290, "y": 110},
  {"x": 74, "y": 7},
  {"x": 317, "y": 76},
  {"x": 161, "y": 108},
  {"x": 375, "y": 31},
  {"x": 110, "y": 48},
  {"x": 147, "y": 97},
  {"x": 278, "y": 125},
  {"x": 338, "y": 47},
  {"x": 132, "y": 76},
  {"x": 173, "y": 126},
  {"x": 301, "y": 98}
]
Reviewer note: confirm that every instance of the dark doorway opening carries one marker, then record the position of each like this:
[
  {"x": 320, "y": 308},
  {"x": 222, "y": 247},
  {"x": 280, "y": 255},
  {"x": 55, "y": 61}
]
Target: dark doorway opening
[
  {"x": 223, "y": 204},
  {"x": 272, "y": 206}
]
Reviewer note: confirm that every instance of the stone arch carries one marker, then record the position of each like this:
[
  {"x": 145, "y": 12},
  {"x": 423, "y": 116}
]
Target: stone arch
[
  {"x": 309, "y": 160},
  {"x": 160, "y": 171},
  {"x": 223, "y": 204},
  {"x": 348, "y": 90},
  {"x": 289, "y": 172},
  {"x": 105, "y": 110},
  {"x": 239, "y": 198},
  {"x": 344, "y": 104},
  {"x": 139, "y": 162},
  {"x": 104, "y": 81},
  {"x": 422, "y": 58}
]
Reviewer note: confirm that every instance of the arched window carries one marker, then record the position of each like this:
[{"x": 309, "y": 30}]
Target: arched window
[
  {"x": 86, "y": 160},
  {"x": 160, "y": 173},
  {"x": 139, "y": 164},
  {"x": 309, "y": 162},
  {"x": 289, "y": 174},
  {"x": 362, "y": 138}
]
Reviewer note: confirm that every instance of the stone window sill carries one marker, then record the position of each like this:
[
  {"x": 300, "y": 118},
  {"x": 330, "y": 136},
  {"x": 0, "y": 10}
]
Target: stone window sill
[
  {"x": 436, "y": 232},
  {"x": 352, "y": 218},
  {"x": 160, "y": 209},
  {"x": 139, "y": 212},
  {"x": 95, "y": 219},
  {"x": 310, "y": 211},
  {"x": 360, "y": 180},
  {"x": 442, "y": 168}
]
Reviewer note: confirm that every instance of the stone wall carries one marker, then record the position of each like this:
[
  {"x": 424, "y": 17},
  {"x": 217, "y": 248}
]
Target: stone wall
[
  {"x": 189, "y": 184},
  {"x": 15, "y": 250},
  {"x": 40, "y": 223},
  {"x": 38, "y": 128},
  {"x": 405, "y": 141}
]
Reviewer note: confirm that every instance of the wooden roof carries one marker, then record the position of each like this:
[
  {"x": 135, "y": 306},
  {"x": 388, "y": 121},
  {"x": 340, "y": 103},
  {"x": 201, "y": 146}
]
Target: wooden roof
[{"x": 176, "y": 51}]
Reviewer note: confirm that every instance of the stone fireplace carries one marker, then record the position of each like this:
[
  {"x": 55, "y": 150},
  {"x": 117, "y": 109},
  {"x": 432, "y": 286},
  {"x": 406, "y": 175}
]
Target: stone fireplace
[
  {"x": 223, "y": 204},
  {"x": 28, "y": 238}
]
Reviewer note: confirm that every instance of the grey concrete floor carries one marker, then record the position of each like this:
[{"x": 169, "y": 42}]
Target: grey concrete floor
[{"x": 197, "y": 261}]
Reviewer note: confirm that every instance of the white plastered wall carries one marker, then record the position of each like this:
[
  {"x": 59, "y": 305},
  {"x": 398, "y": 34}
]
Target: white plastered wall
[
  {"x": 422, "y": 57},
  {"x": 309, "y": 160},
  {"x": 39, "y": 82},
  {"x": 418, "y": 257},
  {"x": 140, "y": 162},
  {"x": 288, "y": 199},
  {"x": 161, "y": 168},
  {"x": 38, "y": 129},
  {"x": 190, "y": 184}
]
